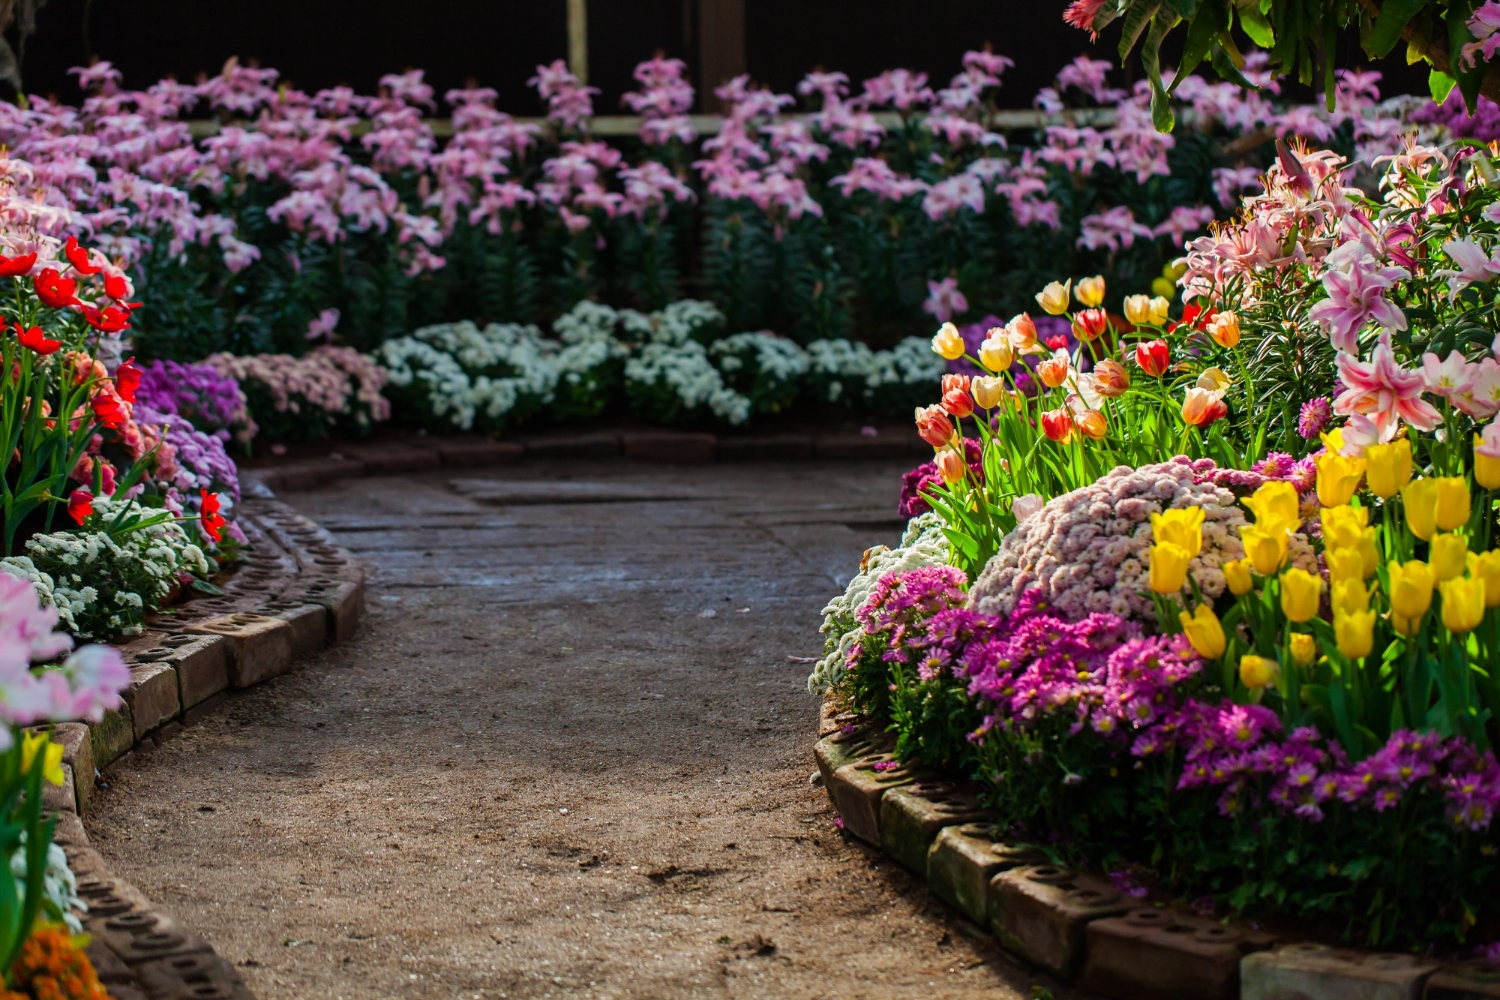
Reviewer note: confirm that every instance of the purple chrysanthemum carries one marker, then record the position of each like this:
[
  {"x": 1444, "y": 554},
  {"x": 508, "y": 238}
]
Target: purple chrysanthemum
[{"x": 1314, "y": 417}]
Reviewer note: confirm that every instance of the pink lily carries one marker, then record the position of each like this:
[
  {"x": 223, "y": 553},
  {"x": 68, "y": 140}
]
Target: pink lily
[{"x": 1383, "y": 391}]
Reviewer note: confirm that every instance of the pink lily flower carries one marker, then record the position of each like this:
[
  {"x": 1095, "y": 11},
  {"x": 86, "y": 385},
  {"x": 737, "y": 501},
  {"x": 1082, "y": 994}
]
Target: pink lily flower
[
  {"x": 1384, "y": 392},
  {"x": 1355, "y": 299}
]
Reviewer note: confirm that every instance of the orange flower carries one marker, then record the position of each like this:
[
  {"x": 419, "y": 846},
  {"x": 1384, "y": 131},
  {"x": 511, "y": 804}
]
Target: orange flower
[
  {"x": 933, "y": 426},
  {"x": 1058, "y": 425},
  {"x": 956, "y": 395},
  {"x": 1110, "y": 378},
  {"x": 1202, "y": 407},
  {"x": 950, "y": 465},
  {"x": 1055, "y": 370},
  {"x": 1092, "y": 423}
]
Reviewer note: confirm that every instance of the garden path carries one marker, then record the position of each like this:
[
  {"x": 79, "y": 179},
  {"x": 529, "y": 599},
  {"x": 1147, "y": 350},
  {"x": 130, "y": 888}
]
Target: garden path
[{"x": 567, "y": 754}]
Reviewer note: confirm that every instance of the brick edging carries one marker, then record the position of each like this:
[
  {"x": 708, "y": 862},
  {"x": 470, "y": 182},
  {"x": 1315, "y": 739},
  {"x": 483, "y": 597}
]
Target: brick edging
[
  {"x": 1078, "y": 926},
  {"x": 297, "y": 593}
]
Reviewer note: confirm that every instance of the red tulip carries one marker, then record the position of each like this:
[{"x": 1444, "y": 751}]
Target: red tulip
[
  {"x": 128, "y": 379},
  {"x": 1058, "y": 425},
  {"x": 79, "y": 258},
  {"x": 213, "y": 522},
  {"x": 1194, "y": 316},
  {"x": 933, "y": 426},
  {"x": 115, "y": 286},
  {"x": 55, "y": 291},
  {"x": 1089, "y": 324},
  {"x": 109, "y": 410},
  {"x": 80, "y": 505},
  {"x": 35, "y": 339},
  {"x": 1154, "y": 358},
  {"x": 17, "y": 267},
  {"x": 956, "y": 395}
]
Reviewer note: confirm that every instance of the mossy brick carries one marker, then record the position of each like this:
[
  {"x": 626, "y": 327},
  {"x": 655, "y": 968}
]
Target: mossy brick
[
  {"x": 962, "y": 861},
  {"x": 112, "y": 736},
  {"x": 911, "y": 817},
  {"x": 61, "y": 798},
  {"x": 1475, "y": 979},
  {"x": 1299, "y": 971},
  {"x": 1155, "y": 953},
  {"x": 833, "y": 752},
  {"x": 152, "y": 696},
  {"x": 261, "y": 646},
  {"x": 78, "y": 753},
  {"x": 856, "y": 790},
  {"x": 1041, "y": 913}
]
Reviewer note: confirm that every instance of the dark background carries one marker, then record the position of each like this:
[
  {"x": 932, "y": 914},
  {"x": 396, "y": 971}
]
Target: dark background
[{"x": 319, "y": 43}]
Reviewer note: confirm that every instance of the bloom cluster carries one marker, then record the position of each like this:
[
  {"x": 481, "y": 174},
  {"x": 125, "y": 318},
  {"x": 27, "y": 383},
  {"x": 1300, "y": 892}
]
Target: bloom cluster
[{"x": 329, "y": 384}]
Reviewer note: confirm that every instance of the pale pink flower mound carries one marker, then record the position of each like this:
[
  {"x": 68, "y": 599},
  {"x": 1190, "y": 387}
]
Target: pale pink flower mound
[
  {"x": 332, "y": 379},
  {"x": 1088, "y": 551}
]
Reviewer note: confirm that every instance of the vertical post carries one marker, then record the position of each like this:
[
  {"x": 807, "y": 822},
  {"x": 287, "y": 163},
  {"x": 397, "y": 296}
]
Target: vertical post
[
  {"x": 721, "y": 46},
  {"x": 578, "y": 39}
]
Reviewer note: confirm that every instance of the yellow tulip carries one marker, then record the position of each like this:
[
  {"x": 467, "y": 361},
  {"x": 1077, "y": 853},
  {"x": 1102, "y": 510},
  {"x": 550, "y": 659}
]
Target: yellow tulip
[
  {"x": 1304, "y": 648},
  {"x": 1368, "y": 551},
  {"x": 1344, "y": 564},
  {"x": 1486, "y": 566},
  {"x": 1388, "y": 467},
  {"x": 1486, "y": 467},
  {"x": 1449, "y": 556},
  {"x": 1300, "y": 593},
  {"x": 1159, "y": 308},
  {"x": 1354, "y": 632},
  {"x": 1169, "y": 566},
  {"x": 1452, "y": 502},
  {"x": 996, "y": 353},
  {"x": 52, "y": 754},
  {"x": 1182, "y": 527},
  {"x": 1224, "y": 328},
  {"x": 1338, "y": 478},
  {"x": 1342, "y": 525},
  {"x": 1204, "y": 631},
  {"x": 1214, "y": 380},
  {"x": 1411, "y": 588},
  {"x": 1463, "y": 603},
  {"x": 1266, "y": 550},
  {"x": 1054, "y": 298},
  {"x": 948, "y": 342},
  {"x": 1090, "y": 291},
  {"x": 1406, "y": 626},
  {"x": 1137, "y": 309},
  {"x": 1237, "y": 575},
  {"x": 1350, "y": 596},
  {"x": 1419, "y": 498},
  {"x": 987, "y": 390},
  {"x": 1274, "y": 501},
  {"x": 1257, "y": 671}
]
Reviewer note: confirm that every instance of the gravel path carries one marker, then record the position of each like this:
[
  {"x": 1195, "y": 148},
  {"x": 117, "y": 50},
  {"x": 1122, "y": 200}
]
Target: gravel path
[{"x": 567, "y": 754}]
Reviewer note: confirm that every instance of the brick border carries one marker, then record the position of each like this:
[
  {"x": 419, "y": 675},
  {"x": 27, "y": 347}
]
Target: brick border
[
  {"x": 297, "y": 592},
  {"x": 1077, "y": 926}
]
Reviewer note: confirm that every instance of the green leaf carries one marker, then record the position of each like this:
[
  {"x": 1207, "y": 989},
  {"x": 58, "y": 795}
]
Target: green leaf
[
  {"x": 1186, "y": 9},
  {"x": 1227, "y": 70},
  {"x": 1459, "y": 35},
  {"x": 1161, "y": 104},
  {"x": 1254, "y": 23},
  {"x": 1393, "y": 19},
  {"x": 1200, "y": 38},
  {"x": 1136, "y": 19},
  {"x": 1440, "y": 84},
  {"x": 208, "y": 588}
]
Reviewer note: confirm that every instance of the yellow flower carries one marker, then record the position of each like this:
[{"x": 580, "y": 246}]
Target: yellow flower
[
  {"x": 1350, "y": 596},
  {"x": 1449, "y": 556},
  {"x": 1169, "y": 566},
  {"x": 1487, "y": 567},
  {"x": 1338, "y": 478},
  {"x": 987, "y": 390},
  {"x": 1463, "y": 603},
  {"x": 1300, "y": 592},
  {"x": 1054, "y": 298},
  {"x": 1257, "y": 671},
  {"x": 1388, "y": 467},
  {"x": 1266, "y": 550},
  {"x": 1452, "y": 502},
  {"x": 1237, "y": 575},
  {"x": 1204, "y": 631},
  {"x": 948, "y": 342},
  {"x": 1182, "y": 527},
  {"x": 1486, "y": 467},
  {"x": 52, "y": 755},
  {"x": 1406, "y": 626},
  {"x": 1411, "y": 588},
  {"x": 1419, "y": 498},
  {"x": 1214, "y": 380},
  {"x": 1274, "y": 501},
  {"x": 1344, "y": 564},
  {"x": 1354, "y": 632},
  {"x": 1090, "y": 291},
  {"x": 995, "y": 353},
  {"x": 1304, "y": 648},
  {"x": 1137, "y": 309},
  {"x": 1163, "y": 286},
  {"x": 1159, "y": 308},
  {"x": 1224, "y": 328}
]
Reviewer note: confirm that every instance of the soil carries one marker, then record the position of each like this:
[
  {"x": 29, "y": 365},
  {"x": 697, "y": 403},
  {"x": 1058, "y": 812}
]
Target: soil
[{"x": 568, "y": 754}]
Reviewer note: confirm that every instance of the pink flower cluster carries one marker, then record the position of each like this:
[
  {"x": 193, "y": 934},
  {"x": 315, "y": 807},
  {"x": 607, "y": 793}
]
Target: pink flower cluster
[{"x": 332, "y": 381}]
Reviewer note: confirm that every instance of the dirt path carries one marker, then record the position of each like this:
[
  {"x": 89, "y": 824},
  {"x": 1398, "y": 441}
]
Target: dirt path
[{"x": 566, "y": 755}]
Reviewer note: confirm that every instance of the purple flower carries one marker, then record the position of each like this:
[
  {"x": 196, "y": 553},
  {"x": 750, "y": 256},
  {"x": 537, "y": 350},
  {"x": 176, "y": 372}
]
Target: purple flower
[{"x": 1314, "y": 417}]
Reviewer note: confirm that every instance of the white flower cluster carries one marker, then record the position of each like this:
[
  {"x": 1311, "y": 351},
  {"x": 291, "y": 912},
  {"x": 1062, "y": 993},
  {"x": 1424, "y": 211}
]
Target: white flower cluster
[
  {"x": 844, "y": 371},
  {"x": 922, "y": 544},
  {"x": 467, "y": 371},
  {"x": 685, "y": 371},
  {"x": 101, "y": 584}
]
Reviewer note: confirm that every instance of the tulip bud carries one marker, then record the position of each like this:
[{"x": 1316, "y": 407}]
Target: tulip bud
[
  {"x": 1300, "y": 593},
  {"x": 1463, "y": 603},
  {"x": 1419, "y": 499},
  {"x": 987, "y": 390},
  {"x": 1204, "y": 631},
  {"x": 934, "y": 427},
  {"x": 1224, "y": 329},
  {"x": 1058, "y": 425},
  {"x": 1092, "y": 423},
  {"x": 1111, "y": 379},
  {"x": 1214, "y": 380},
  {"x": 1159, "y": 309},
  {"x": 1054, "y": 298},
  {"x": 1274, "y": 501},
  {"x": 1090, "y": 291},
  {"x": 1138, "y": 309},
  {"x": 1257, "y": 671},
  {"x": 948, "y": 342},
  {"x": 1486, "y": 566},
  {"x": 956, "y": 395},
  {"x": 950, "y": 465},
  {"x": 1388, "y": 467},
  {"x": 1265, "y": 546},
  {"x": 1448, "y": 556},
  {"x": 1022, "y": 332},
  {"x": 1182, "y": 526},
  {"x": 1338, "y": 478},
  {"x": 1055, "y": 370},
  {"x": 1237, "y": 576},
  {"x": 1452, "y": 507},
  {"x": 1355, "y": 633},
  {"x": 1411, "y": 589},
  {"x": 1154, "y": 358},
  {"x": 1169, "y": 566},
  {"x": 1344, "y": 564},
  {"x": 996, "y": 353},
  {"x": 1201, "y": 407},
  {"x": 1350, "y": 596},
  {"x": 1486, "y": 466},
  {"x": 1090, "y": 324},
  {"x": 1304, "y": 648}
]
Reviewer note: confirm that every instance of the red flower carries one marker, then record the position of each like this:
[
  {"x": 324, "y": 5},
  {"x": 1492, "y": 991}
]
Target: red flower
[
  {"x": 1195, "y": 316},
  {"x": 933, "y": 426},
  {"x": 79, "y": 257},
  {"x": 1057, "y": 343},
  {"x": 35, "y": 339},
  {"x": 110, "y": 320},
  {"x": 956, "y": 395},
  {"x": 128, "y": 379},
  {"x": 109, "y": 410},
  {"x": 1089, "y": 324},
  {"x": 17, "y": 267},
  {"x": 55, "y": 291},
  {"x": 1058, "y": 425},
  {"x": 80, "y": 505},
  {"x": 213, "y": 522},
  {"x": 1154, "y": 358},
  {"x": 115, "y": 286}
]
